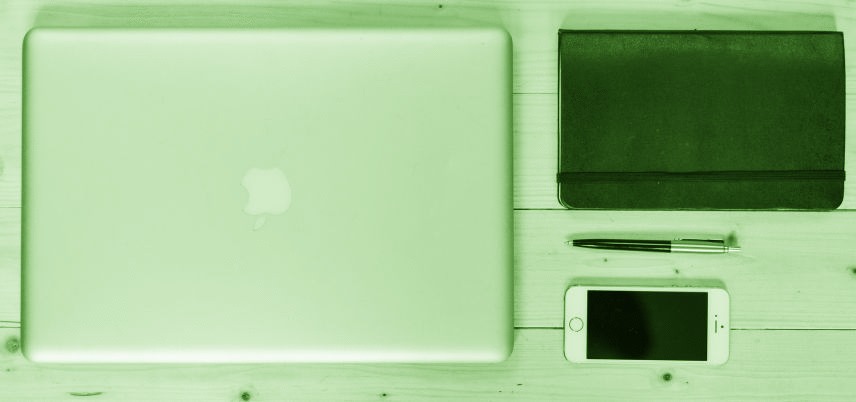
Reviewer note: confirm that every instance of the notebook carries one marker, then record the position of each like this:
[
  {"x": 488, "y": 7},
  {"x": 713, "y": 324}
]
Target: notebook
[
  {"x": 701, "y": 119},
  {"x": 286, "y": 195}
]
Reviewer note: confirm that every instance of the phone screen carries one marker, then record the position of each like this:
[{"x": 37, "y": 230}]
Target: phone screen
[{"x": 643, "y": 325}]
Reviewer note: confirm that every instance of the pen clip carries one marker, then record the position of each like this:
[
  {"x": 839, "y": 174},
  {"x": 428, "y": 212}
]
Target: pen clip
[{"x": 711, "y": 241}]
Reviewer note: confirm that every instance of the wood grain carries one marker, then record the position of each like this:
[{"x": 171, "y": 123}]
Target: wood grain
[
  {"x": 532, "y": 25},
  {"x": 764, "y": 365},
  {"x": 797, "y": 270},
  {"x": 10, "y": 265},
  {"x": 793, "y": 290}
]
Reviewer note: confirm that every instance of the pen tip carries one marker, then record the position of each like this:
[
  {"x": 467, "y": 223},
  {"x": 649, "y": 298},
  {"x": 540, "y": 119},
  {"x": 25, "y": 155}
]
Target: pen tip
[{"x": 734, "y": 249}]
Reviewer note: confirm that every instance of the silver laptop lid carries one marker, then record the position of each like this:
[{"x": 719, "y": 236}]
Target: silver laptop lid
[{"x": 267, "y": 195}]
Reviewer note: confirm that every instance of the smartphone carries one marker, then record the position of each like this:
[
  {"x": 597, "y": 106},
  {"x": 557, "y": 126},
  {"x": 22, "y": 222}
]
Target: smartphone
[{"x": 646, "y": 324}]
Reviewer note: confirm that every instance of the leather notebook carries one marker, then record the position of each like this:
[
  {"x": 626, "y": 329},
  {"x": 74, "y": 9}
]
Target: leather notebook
[{"x": 701, "y": 119}]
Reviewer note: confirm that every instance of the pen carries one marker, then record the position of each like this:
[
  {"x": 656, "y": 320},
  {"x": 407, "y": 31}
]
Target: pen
[{"x": 663, "y": 246}]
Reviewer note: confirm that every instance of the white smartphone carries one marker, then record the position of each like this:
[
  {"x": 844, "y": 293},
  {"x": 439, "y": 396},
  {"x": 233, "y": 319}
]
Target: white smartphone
[{"x": 625, "y": 324}]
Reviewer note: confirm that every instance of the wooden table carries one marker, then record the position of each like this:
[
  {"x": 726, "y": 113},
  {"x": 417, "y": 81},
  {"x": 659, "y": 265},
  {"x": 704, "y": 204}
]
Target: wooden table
[{"x": 793, "y": 290}]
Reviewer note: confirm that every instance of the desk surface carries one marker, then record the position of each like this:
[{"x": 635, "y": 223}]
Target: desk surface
[{"x": 793, "y": 290}]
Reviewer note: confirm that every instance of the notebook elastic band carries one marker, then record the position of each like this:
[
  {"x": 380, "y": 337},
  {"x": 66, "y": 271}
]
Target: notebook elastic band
[{"x": 732, "y": 175}]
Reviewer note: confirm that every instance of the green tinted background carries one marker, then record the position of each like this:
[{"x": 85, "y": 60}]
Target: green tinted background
[{"x": 792, "y": 290}]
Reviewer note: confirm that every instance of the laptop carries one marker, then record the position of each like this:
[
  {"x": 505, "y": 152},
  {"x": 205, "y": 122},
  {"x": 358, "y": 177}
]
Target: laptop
[{"x": 278, "y": 195}]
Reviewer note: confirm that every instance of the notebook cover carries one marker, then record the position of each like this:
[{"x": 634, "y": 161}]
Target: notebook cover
[{"x": 701, "y": 119}]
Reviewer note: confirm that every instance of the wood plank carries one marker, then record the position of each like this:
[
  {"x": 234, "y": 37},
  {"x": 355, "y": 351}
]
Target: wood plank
[
  {"x": 13, "y": 23},
  {"x": 774, "y": 365},
  {"x": 797, "y": 270},
  {"x": 10, "y": 129},
  {"x": 10, "y": 264},
  {"x": 533, "y": 26},
  {"x": 536, "y": 157}
]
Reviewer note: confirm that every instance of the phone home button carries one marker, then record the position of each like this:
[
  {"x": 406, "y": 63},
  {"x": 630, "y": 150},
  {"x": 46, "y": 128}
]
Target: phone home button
[{"x": 576, "y": 324}]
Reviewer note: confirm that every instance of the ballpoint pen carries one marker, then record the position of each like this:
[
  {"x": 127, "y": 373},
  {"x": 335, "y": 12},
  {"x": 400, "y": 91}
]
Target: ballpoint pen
[{"x": 664, "y": 246}]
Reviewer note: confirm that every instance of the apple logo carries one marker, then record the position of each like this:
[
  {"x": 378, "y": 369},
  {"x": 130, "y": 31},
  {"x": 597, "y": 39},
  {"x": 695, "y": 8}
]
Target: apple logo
[{"x": 269, "y": 193}]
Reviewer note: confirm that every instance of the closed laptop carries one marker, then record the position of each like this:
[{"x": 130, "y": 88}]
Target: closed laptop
[{"x": 288, "y": 195}]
